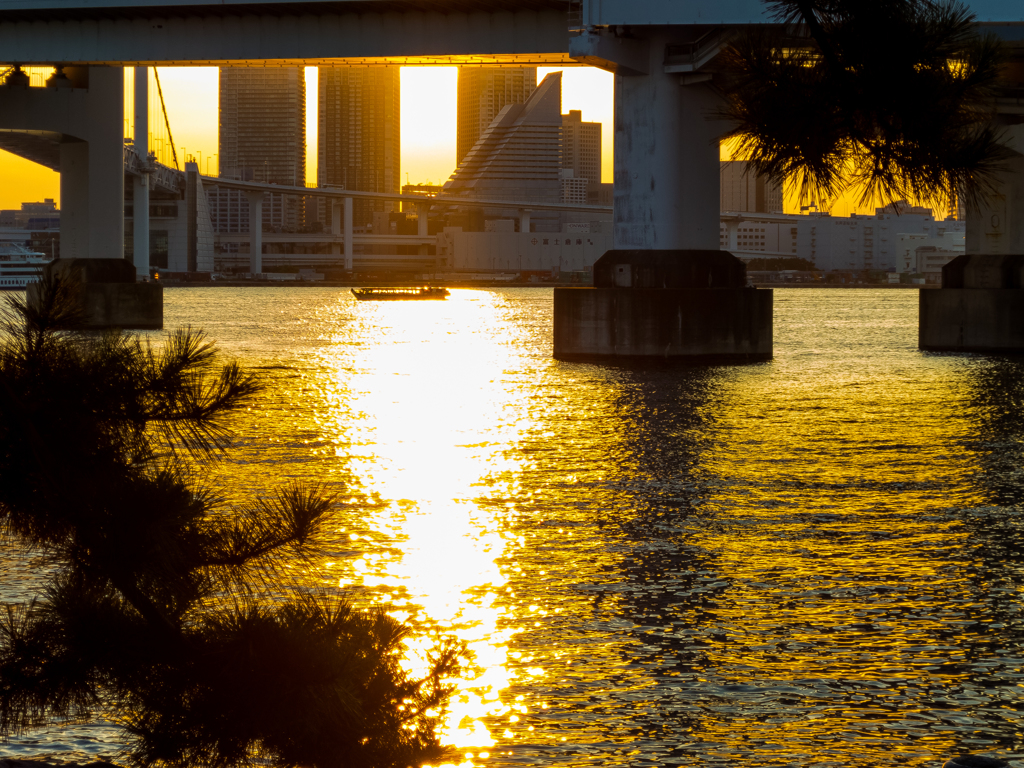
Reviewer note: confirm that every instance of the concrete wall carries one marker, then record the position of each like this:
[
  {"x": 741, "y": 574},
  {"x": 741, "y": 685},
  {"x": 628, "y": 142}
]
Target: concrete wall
[{"x": 520, "y": 251}]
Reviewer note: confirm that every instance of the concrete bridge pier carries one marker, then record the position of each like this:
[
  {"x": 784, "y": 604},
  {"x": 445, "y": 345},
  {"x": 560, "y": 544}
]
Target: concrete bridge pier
[
  {"x": 980, "y": 307},
  {"x": 666, "y": 290},
  {"x": 422, "y": 225},
  {"x": 349, "y": 251},
  {"x": 335, "y": 206},
  {"x": 140, "y": 183},
  {"x": 255, "y": 199},
  {"x": 75, "y": 125}
]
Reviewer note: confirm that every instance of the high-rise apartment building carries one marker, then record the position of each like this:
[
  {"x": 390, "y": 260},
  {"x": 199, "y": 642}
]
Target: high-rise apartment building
[
  {"x": 581, "y": 151},
  {"x": 262, "y": 138},
  {"x": 483, "y": 93},
  {"x": 742, "y": 191},
  {"x": 359, "y": 139}
]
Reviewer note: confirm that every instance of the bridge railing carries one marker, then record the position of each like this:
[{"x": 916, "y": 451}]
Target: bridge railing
[{"x": 164, "y": 177}]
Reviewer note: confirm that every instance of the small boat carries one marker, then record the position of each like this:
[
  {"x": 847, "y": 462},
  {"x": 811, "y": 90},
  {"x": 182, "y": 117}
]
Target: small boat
[{"x": 400, "y": 294}]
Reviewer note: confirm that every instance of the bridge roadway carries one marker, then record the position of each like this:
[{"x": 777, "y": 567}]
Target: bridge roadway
[{"x": 368, "y": 32}]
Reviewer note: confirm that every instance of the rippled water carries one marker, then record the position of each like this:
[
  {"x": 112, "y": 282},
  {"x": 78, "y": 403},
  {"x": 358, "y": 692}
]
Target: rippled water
[{"x": 815, "y": 560}]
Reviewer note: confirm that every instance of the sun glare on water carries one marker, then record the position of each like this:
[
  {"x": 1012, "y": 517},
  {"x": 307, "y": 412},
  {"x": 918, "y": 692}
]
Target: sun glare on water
[{"x": 431, "y": 410}]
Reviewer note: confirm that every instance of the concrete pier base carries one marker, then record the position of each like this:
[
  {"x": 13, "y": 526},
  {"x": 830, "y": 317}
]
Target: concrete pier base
[
  {"x": 108, "y": 293},
  {"x": 658, "y": 304},
  {"x": 680, "y": 304},
  {"x": 972, "y": 320},
  {"x": 980, "y": 307},
  {"x": 683, "y": 324}
]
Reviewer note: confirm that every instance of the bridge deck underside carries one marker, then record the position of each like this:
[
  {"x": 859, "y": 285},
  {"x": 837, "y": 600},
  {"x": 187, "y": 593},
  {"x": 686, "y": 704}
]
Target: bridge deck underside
[
  {"x": 41, "y": 147},
  {"x": 248, "y": 34},
  {"x": 42, "y": 10},
  {"x": 468, "y": 60}
]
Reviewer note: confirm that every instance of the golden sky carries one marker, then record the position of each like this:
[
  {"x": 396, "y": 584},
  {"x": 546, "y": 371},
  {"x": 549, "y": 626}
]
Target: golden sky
[{"x": 428, "y": 126}]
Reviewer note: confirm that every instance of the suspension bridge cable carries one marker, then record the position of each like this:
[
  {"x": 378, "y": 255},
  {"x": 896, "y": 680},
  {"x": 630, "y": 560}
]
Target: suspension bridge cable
[{"x": 167, "y": 122}]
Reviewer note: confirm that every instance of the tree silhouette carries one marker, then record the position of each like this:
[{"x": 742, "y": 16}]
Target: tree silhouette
[
  {"x": 166, "y": 608},
  {"x": 894, "y": 98}
]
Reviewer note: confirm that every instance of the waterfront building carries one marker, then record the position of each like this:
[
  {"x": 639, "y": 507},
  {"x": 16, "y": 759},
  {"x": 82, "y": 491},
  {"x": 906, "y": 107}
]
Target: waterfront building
[
  {"x": 572, "y": 250},
  {"x": 482, "y": 93},
  {"x": 518, "y": 157},
  {"x": 864, "y": 243},
  {"x": 581, "y": 152},
  {"x": 42, "y": 215},
  {"x": 759, "y": 236},
  {"x": 262, "y": 119},
  {"x": 744, "y": 192},
  {"x": 885, "y": 241},
  {"x": 940, "y": 248},
  {"x": 359, "y": 135}
]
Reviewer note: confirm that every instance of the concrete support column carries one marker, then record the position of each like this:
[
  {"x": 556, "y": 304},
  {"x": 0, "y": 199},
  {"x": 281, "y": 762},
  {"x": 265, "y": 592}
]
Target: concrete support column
[
  {"x": 348, "y": 234},
  {"x": 140, "y": 184},
  {"x": 140, "y": 223},
  {"x": 422, "y": 224},
  {"x": 336, "y": 213},
  {"x": 74, "y": 200},
  {"x": 667, "y": 170},
  {"x": 255, "y": 199},
  {"x": 92, "y": 169},
  {"x": 524, "y": 220},
  {"x": 106, "y": 163}
]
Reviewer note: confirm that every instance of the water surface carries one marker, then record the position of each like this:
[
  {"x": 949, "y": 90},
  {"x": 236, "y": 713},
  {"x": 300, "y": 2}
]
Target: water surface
[{"x": 815, "y": 560}]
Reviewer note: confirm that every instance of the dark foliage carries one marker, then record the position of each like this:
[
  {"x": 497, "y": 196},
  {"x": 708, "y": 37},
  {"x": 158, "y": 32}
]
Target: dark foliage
[
  {"x": 893, "y": 98},
  {"x": 159, "y": 612}
]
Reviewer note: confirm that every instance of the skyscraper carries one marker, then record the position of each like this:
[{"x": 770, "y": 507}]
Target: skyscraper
[
  {"x": 262, "y": 138},
  {"x": 483, "y": 93},
  {"x": 518, "y": 156},
  {"x": 581, "y": 150},
  {"x": 359, "y": 144}
]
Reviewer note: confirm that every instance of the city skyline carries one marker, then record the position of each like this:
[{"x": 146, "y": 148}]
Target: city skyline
[{"x": 428, "y": 147}]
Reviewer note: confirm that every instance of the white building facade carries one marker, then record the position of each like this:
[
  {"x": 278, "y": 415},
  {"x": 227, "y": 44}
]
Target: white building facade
[{"x": 882, "y": 242}]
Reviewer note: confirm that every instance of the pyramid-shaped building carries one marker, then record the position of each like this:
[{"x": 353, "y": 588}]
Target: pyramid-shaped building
[{"x": 519, "y": 155}]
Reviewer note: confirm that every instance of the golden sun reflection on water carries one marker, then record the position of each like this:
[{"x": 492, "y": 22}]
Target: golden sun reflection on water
[
  {"x": 423, "y": 410},
  {"x": 812, "y": 561}
]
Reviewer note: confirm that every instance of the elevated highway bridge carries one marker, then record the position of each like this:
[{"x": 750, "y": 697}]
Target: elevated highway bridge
[{"x": 366, "y": 32}]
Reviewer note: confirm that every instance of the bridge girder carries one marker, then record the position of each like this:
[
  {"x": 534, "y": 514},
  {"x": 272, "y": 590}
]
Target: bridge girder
[{"x": 191, "y": 36}]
